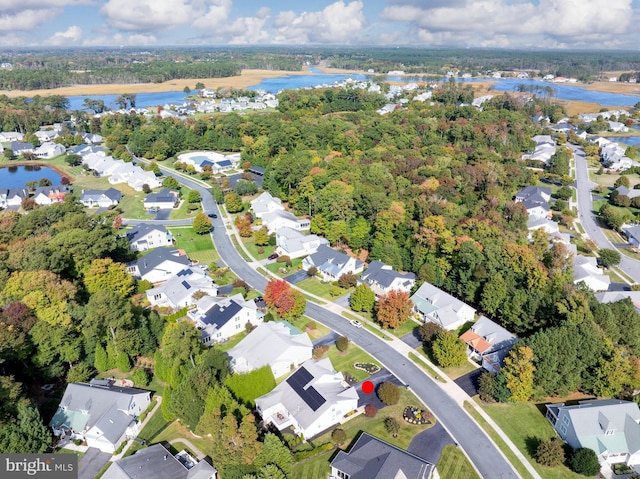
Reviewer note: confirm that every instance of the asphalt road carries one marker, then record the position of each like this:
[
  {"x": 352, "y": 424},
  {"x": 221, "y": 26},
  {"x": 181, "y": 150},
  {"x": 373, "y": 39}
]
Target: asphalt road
[
  {"x": 481, "y": 450},
  {"x": 584, "y": 186}
]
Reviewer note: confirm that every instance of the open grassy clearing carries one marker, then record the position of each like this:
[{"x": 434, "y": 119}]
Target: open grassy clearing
[
  {"x": 198, "y": 247},
  {"x": 315, "y": 467},
  {"x": 320, "y": 288},
  {"x": 314, "y": 329},
  {"x": 253, "y": 249},
  {"x": 454, "y": 464},
  {"x": 343, "y": 361}
]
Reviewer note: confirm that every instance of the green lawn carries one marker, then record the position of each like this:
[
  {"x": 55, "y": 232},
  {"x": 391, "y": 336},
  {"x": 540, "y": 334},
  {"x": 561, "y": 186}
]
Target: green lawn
[
  {"x": 315, "y": 467},
  {"x": 182, "y": 210},
  {"x": 343, "y": 362},
  {"x": 320, "y": 288},
  {"x": 233, "y": 340},
  {"x": 418, "y": 359},
  {"x": 316, "y": 332},
  {"x": 405, "y": 328},
  {"x": 276, "y": 268},
  {"x": 198, "y": 247},
  {"x": 453, "y": 464},
  {"x": 249, "y": 386},
  {"x": 526, "y": 426},
  {"x": 253, "y": 249}
]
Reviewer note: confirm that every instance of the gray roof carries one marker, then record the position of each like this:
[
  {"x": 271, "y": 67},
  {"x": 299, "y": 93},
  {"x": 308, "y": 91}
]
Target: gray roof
[
  {"x": 103, "y": 406},
  {"x": 158, "y": 256},
  {"x": 536, "y": 193},
  {"x": 165, "y": 195},
  {"x": 384, "y": 275},
  {"x": 497, "y": 336},
  {"x": 111, "y": 193},
  {"x": 17, "y": 146},
  {"x": 155, "y": 462},
  {"x": 47, "y": 190},
  {"x": 183, "y": 285},
  {"x": 329, "y": 260},
  {"x": 372, "y": 458},
  {"x": 143, "y": 229}
]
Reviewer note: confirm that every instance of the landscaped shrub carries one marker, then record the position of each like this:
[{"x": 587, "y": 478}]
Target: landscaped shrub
[
  {"x": 312, "y": 271},
  {"x": 342, "y": 343},
  {"x": 487, "y": 386},
  {"x": 392, "y": 425},
  {"x": 335, "y": 291},
  {"x": 370, "y": 410},
  {"x": 584, "y": 461},
  {"x": 347, "y": 280},
  {"x": 550, "y": 453},
  {"x": 320, "y": 351},
  {"x": 338, "y": 436},
  {"x": 389, "y": 393},
  {"x": 428, "y": 331}
]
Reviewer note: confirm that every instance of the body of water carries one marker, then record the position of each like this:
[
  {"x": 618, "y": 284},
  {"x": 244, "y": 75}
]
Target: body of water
[
  {"x": 627, "y": 140},
  {"x": 142, "y": 99},
  {"x": 19, "y": 176}
]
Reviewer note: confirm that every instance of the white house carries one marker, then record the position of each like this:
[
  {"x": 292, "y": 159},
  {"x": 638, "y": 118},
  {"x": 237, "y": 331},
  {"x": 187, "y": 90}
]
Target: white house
[
  {"x": 534, "y": 194},
  {"x": 314, "y": 398},
  {"x": 633, "y": 234},
  {"x": 141, "y": 178},
  {"x": 433, "y": 304},
  {"x": 47, "y": 195},
  {"x": 585, "y": 269},
  {"x": 381, "y": 278},
  {"x": 8, "y": 136},
  {"x": 277, "y": 219},
  {"x": 146, "y": 236},
  {"x": 177, "y": 292},
  {"x": 101, "y": 413},
  {"x": 13, "y": 197},
  {"x": 276, "y": 344},
  {"x": 100, "y": 198},
  {"x": 292, "y": 243},
  {"x": 221, "y": 318},
  {"x": 332, "y": 264},
  {"x": 158, "y": 265},
  {"x": 609, "y": 427},
  {"x": 156, "y": 462},
  {"x": 265, "y": 203},
  {"x": 166, "y": 198},
  {"x": 49, "y": 150},
  {"x": 489, "y": 343},
  {"x": 544, "y": 149}
]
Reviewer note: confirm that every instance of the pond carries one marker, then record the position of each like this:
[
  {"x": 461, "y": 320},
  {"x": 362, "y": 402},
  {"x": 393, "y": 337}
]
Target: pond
[{"x": 19, "y": 176}]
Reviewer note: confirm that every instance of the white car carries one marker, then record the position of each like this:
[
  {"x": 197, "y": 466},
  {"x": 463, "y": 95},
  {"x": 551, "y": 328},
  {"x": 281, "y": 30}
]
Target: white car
[{"x": 356, "y": 323}]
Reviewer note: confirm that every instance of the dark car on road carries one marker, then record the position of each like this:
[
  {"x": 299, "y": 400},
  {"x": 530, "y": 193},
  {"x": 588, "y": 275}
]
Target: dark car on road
[{"x": 212, "y": 215}]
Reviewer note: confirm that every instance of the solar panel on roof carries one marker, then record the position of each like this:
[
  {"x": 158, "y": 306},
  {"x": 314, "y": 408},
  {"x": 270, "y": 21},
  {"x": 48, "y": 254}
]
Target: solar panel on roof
[
  {"x": 182, "y": 273},
  {"x": 186, "y": 285},
  {"x": 310, "y": 396}
]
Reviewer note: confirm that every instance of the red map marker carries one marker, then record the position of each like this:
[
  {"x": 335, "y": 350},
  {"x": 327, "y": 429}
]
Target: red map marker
[{"x": 367, "y": 387}]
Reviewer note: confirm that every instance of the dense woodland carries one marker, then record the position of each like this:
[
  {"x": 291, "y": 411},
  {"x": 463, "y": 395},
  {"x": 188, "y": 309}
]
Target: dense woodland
[
  {"x": 51, "y": 68},
  {"x": 427, "y": 189}
]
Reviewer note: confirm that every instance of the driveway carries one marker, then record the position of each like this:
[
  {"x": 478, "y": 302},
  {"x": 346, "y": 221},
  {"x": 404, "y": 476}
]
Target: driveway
[
  {"x": 163, "y": 214},
  {"x": 469, "y": 382},
  {"x": 429, "y": 444},
  {"x": 92, "y": 462},
  {"x": 412, "y": 339},
  {"x": 327, "y": 339},
  {"x": 297, "y": 277},
  {"x": 343, "y": 301},
  {"x": 378, "y": 378}
]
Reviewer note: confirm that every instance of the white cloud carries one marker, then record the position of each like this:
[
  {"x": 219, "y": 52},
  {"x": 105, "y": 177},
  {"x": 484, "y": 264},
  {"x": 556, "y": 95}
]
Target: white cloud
[
  {"x": 71, "y": 36},
  {"x": 120, "y": 39},
  {"x": 148, "y": 14},
  {"x": 26, "y": 19},
  {"x": 503, "y": 23},
  {"x": 16, "y": 6},
  {"x": 338, "y": 22}
]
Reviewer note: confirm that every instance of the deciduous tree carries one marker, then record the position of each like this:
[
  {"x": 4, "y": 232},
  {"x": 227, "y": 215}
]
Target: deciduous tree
[
  {"x": 518, "y": 372},
  {"x": 449, "y": 350},
  {"x": 362, "y": 298},
  {"x": 394, "y": 309},
  {"x": 107, "y": 275},
  {"x": 201, "y": 224}
]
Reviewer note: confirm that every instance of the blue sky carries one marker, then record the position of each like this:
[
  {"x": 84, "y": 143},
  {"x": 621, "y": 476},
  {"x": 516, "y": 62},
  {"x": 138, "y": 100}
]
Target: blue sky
[{"x": 597, "y": 24}]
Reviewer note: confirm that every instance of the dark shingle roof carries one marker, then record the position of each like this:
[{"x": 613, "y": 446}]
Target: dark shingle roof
[
  {"x": 143, "y": 229},
  {"x": 156, "y": 257}
]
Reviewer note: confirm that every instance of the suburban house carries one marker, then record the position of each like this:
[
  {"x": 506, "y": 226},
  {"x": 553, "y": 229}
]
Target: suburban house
[
  {"x": 545, "y": 148},
  {"x": 534, "y": 194},
  {"x": 141, "y": 178},
  {"x": 166, "y": 198},
  {"x": 101, "y": 413},
  {"x": 433, "y": 304},
  {"x": 610, "y": 427},
  {"x": 100, "y": 198},
  {"x": 373, "y": 458},
  {"x": 12, "y": 198},
  {"x": 19, "y": 147},
  {"x": 265, "y": 203},
  {"x": 313, "y": 399},
  {"x": 178, "y": 291},
  {"x": 146, "y": 236},
  {"x": 615, "y": 296},
  {"x": 277, "y": 219},
  {"x": 489, "y": 343},
  {"x": 156, "y": 462},
  {"x": 292, "y": 243},
  {"x": 276, "y": 344},
  {"x": 332, "y": 264},
  {"x": 544, "y": 224},
  {"x": 381, "y": 278},
  {"x": 221, "y": 318},
  {"x": 49, "y": 149},
  {"x": 159, "y": 265},
  {"x": 8, "y": 136},
  {"x": 585, "y": 269},
  {"x": 47, "y": 195},
  {"x": 630, "y": 192},
  {"x": 633, "y": 234}
]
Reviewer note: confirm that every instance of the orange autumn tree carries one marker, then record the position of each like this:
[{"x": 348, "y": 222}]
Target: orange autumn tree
[
  {"x": 394, "y": 309},
  {"x": 288, "y": 302}
]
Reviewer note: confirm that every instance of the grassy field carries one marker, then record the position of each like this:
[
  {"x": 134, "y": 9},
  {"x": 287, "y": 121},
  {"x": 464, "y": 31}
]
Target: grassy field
[
  {"x": 405, "y": 328},
  {"x": 253, "y": 249},
  {"x": 318, "y": 330},
  {"x": 249, "y": 386},
  {"x": 320, "y": 288},
  {"x": 274, "y": 267},
  {"x": 454, "y": 464},
  {"x": 526, "y": 426},
  {"x": 316, "y": 467},
  {"x": 343, "y": 361},
  {"x": 198, "y": 247}
]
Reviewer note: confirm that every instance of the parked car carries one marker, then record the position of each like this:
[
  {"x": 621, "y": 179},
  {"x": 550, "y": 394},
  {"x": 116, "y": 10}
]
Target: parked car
[
  {"x": 274, "y": 256},
  {"x": 356, "y": 323},
  {"x": 258, "y": 299},
  {"x": 212, "y": 215}
]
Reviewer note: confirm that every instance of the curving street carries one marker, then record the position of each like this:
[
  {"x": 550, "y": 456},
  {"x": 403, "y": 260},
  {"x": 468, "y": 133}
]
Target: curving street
[
  {"x": 484, "y": 454},
  {"x": 584, "y": 185}
]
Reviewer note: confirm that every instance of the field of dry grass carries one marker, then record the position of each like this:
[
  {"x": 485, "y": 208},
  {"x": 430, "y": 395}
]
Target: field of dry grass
[{"x": 246, "y": 79}]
